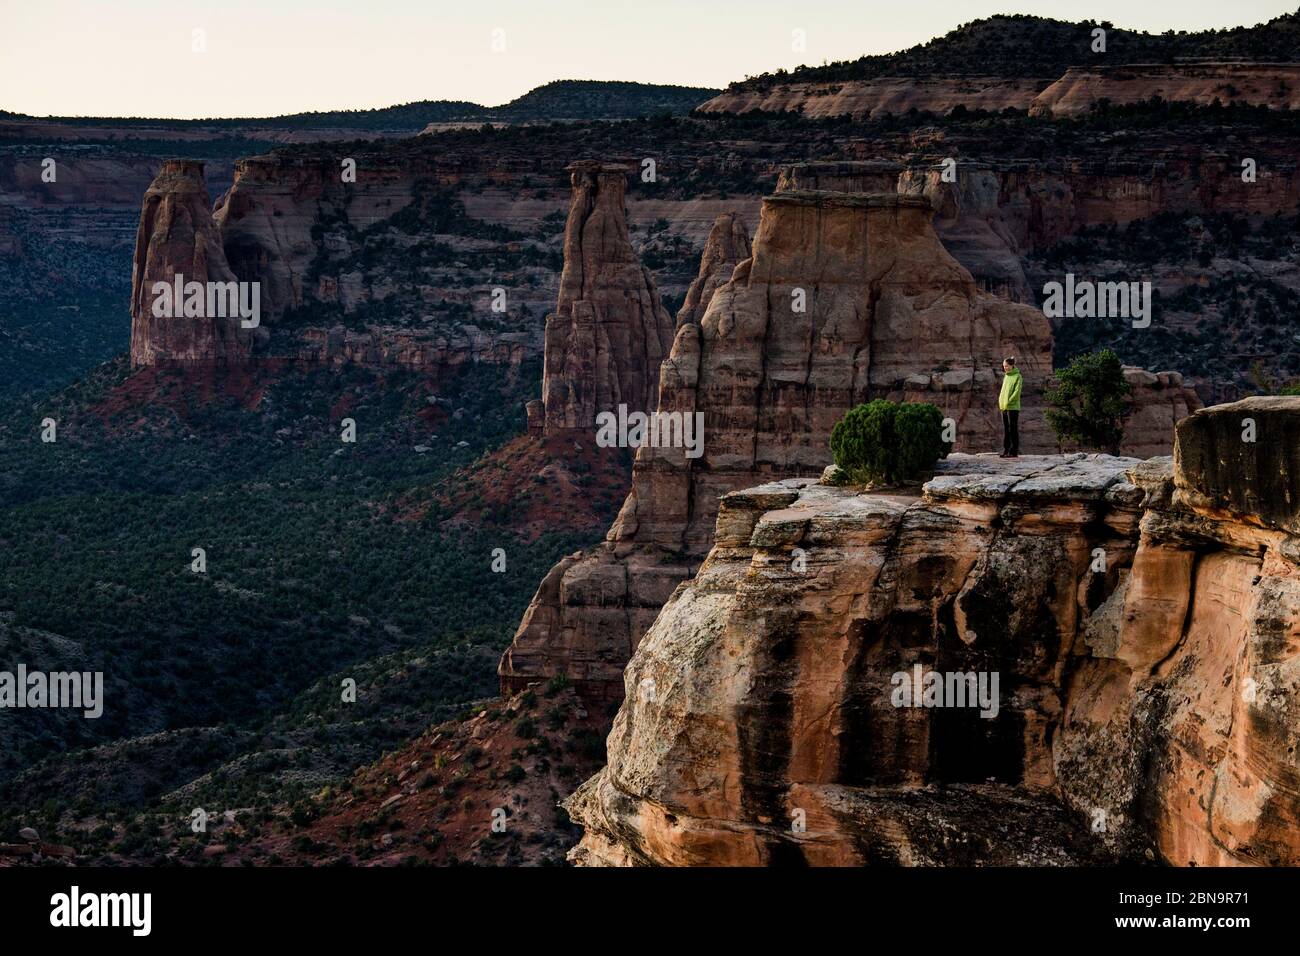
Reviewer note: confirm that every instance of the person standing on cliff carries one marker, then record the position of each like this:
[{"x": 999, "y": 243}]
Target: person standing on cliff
[{"x": 1009, "y": 404}]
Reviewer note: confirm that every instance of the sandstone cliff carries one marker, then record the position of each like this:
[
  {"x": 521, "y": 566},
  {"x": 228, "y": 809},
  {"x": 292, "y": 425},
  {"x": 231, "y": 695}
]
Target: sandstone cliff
[
  {"x": 1143, "y": 619},
  {"x": 609, "y": 331},
  {"x": 355, "y": 272},
  {"x": 895, "y": 95},
  {"x": 846, "y": 296},
  {"x": 994, "y": 214},
  {"x": 726, "y": 247},
  {"x": 177, "y": 235},
  {"x": 1073, "y": 93},
  {"x": 1275, "y": 85}
]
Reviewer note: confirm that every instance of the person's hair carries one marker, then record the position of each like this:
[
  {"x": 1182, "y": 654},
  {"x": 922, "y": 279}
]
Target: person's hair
[{"x": 1010, "y": 360}]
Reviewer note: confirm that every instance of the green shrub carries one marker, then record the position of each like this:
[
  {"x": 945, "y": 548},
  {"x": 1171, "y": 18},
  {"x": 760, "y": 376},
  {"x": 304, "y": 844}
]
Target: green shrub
[
  {"x": 918, "y": 430},
  {"x": 1089, "y": 402},
  {"x": 884, "y": 441}
]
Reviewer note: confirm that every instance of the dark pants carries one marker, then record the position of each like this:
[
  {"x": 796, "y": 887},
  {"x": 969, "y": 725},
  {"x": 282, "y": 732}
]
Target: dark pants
[{"x": 1011, "y": 432}]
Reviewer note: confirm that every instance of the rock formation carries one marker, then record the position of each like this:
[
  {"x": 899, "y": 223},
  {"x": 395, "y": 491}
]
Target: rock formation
[
  {"x": 726, "y": 247},
  {"x": 340, "y": 252},
  {"x": 888, "y": 313},
  {"x": 1142, "y": 619},
  {"x": 847, "y": 296},
  {"x": 994, "y": 214},
  {"x": 177, "y": 235},
  {"x": 609, "y": 331},
  {"x": 1275, "y": 85},
  {"x": 863, "y": 99},
  {"x": 1077, "y": 91},
  {"x": 1157, "y": 402}
]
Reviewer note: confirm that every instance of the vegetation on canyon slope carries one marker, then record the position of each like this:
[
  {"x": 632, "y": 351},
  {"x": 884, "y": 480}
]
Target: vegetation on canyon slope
[
  {"x": 325, "y": 560},
  {"x": 1208, "y": 321}
]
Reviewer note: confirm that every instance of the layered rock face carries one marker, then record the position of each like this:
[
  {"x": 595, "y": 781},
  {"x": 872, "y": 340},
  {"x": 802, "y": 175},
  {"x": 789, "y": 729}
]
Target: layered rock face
[
  {"x": 725, "y": 248},
  {"x": 1157, "y": 402},
  {"x": 367, "y": 257},
  {"x": 609, "y": 331},
  {"x": 1077, "y": 91},
  {"x": 272, "y": 217},
  {"x": 994, "y": 214},
  {"x": 846, "y": 297},
  {"x": 897, "y": 95},
  {"x": 1275, "y": 85},
  {"x": 177, "y": 235},
  {"x": 1141, "y": 619}
]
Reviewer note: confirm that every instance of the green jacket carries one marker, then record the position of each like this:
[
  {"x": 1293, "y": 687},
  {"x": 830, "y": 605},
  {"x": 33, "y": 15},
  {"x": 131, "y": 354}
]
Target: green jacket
[{"x": 1009, "y": 400}]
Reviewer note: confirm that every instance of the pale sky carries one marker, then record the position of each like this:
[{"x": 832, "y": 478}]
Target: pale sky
[{"x": 267, "y": 57}]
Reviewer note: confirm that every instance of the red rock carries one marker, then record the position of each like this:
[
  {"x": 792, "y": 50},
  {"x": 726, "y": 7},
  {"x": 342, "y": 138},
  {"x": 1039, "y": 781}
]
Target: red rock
[
  {"x": 609, "y": 331},
  {"x": 888, "y": 314},
  {"x": 725, "y": 248},
  {"x": 177, "y": 235}
]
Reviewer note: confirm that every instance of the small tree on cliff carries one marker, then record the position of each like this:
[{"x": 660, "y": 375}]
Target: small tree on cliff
[
  {"x": 1089, "y": 401},
  {"x": 888, "y": 442}
]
